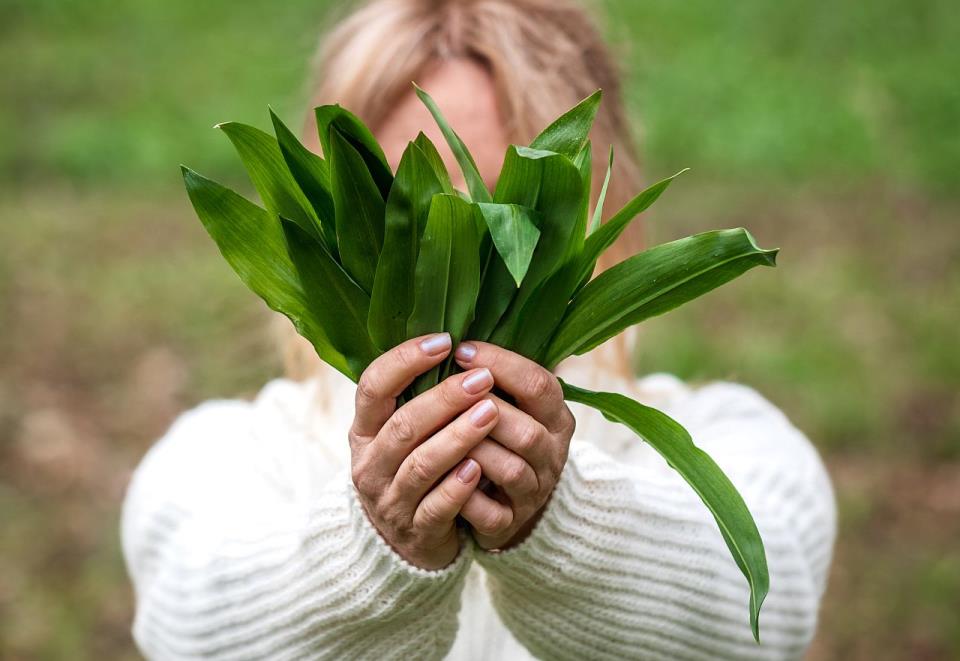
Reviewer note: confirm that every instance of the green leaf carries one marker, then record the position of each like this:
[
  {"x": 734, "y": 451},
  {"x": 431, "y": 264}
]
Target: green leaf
[
  {"x": 268, "y": 172},
  {"x": 519, "y": 183},
  {"x": 252, "y": 242},
  {"x": 715, "y": 489},
  {"x": 514, "y": 234},
  {"x": 567, "y": 134},
  {"x": 313, "y": 176},
  {"x": 359, "y": 211},
  {"x": 339, "y": 304},
  {"x": 405, "y": 220},
  {"x": 360, "y": 138},
  {"x": 447, "y": 277},
  {"x": 651, "y": 283},
  {"x": 598, "y": 211},
  {"x": 478, "y": 189},
  {"x": 436, "y": 161},
  {"x": 558, "y": 203},
  {"x": 609, "y": 231}
]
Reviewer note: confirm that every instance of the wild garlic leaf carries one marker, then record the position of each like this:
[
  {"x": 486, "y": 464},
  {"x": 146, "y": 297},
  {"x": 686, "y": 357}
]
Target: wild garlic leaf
[
  {"x": 436, "y": 161},
  {"x": 339, "y": 304},
  {"x": 269, "y": 175},
  {"x": 598, "y": 210},
  {"x": 313, "y": 176},
  {"x": 567, "y": 134},
  {"x": 651, "y": 283},
  {"x": 714, "y": 488},
  {"x": 252, "y": 242},
  {"x": 447, "y": 276},
  {"x": 405, "y": 219},
  {"x": 360, "y": 138},
  {"x": 358, "y": 208},
  {"x": 605, "y": 235},
  {"x": 514, "y": 233},
  {"x": 478, "y": 189}
]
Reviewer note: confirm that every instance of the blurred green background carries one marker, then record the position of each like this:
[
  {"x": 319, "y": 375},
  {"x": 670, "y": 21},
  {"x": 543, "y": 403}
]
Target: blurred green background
[{"x": 829, "y": 128}]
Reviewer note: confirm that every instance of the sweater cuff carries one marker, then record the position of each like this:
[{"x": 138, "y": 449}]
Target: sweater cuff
[
  {"x": 382, "y": 553},
  {"x": 560, "y": 519}
]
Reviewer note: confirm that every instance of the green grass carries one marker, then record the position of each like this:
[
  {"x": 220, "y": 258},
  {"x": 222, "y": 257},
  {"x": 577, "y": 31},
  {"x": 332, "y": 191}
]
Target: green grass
[{"x": 826, "y": 128}]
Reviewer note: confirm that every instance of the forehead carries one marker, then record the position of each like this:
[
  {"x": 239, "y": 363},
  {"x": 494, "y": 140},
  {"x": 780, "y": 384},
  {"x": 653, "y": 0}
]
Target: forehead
[{"x": 465, "y": 93}]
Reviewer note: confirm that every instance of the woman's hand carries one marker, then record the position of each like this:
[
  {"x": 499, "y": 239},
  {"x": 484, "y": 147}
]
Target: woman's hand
[
  {"x": 529, "y": 447},
  {"x": 409, "y": 464}
]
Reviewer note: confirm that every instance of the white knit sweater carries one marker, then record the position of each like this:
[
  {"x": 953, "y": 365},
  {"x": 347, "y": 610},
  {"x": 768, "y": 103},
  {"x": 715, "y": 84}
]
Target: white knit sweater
[{"x": 244, "y": 541}]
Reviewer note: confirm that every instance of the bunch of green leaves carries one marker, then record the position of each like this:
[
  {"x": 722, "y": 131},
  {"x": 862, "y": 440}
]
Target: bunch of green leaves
[{"x": 361, "y": 258}]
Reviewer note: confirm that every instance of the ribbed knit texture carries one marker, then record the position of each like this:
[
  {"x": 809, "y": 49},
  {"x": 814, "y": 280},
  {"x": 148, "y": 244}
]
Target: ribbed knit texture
[{"x": 245, "y": 540}]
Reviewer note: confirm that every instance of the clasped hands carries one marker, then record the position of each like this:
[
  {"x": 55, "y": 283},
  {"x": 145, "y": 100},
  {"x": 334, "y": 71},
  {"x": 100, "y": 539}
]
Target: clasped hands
[{"x": 418, "y": 467}]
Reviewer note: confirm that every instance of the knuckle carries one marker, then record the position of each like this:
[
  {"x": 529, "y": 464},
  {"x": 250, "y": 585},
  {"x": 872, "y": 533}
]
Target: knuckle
[
  {"x": 404, "y": 357},
  {"x": 420, "y": 473},
  {"x": 515, "y": 471},
  {"x": 450, "y": 393},
  {"x": 540, "y": 384},
  {"x": 528, "y": 437},
  {"x": 430, "y": 514},
  {"x": 402, "y": 428},
  {"x": 367, "y": 391},
  {"x": 495, "y": 521},
  {"x": 465, "y": 436}
]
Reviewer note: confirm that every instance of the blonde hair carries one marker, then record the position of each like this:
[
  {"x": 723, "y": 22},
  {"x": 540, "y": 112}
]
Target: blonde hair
[{"x": 543, "y": 56}]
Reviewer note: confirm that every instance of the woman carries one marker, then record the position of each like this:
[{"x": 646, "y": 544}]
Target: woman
[{"x": 321, "y": 521}]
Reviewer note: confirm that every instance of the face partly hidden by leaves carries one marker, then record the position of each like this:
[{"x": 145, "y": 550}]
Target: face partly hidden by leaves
[{"x": 361, "y": 258}]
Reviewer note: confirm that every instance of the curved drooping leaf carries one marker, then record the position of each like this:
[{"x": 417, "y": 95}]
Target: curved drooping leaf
[
  {"x": 514, "y": 233},
  {"x": 567, "y": 134},
  {"x": 478, "y": 189},
  {"x": 405, "y": 219},
  {"x": 268, "y": 173},
  {"x": 252, "y": 242},
  {"x": 360, "y": 138},
  {"x": 651, "y": 283},
  {"x": 338, "y": 303},
  {"x": 359, "y": 211},
  {"x": 715, "y": 489},
  {"x": 313, "y": 176},
  {"x": 447, "y": 276}
]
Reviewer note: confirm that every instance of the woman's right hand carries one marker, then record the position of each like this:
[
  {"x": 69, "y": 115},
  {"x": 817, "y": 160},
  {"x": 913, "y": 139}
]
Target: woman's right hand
[{"x": 409, "y": 464}]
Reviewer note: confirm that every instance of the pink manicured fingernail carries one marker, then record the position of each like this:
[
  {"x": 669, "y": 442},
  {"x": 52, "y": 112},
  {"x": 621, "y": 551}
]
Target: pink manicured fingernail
[
  {"x": 436, "y": 344},
  {"x": 466, "y": 352},
  {"x": 479, "y": 381},
  {"x": 483, "y": 413},
  {"x": 468, "y": 471}
]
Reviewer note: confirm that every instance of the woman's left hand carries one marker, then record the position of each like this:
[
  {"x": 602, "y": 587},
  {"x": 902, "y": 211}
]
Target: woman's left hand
[{"x": 526, "y": 451}]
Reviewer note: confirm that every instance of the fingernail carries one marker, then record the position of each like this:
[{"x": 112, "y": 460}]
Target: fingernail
[
  {"x": 466, "y": 352},
  {"x": 479, "y": 381},
  {"x": 468, "y": 471},
  {"x": 483, "y": 413},
  {"x": 436, "y": 344}
]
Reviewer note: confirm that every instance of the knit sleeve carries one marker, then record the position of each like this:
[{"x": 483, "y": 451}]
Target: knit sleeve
[
  {"x": 231, "y": 558},
  {"x": 626, "y": 562}
]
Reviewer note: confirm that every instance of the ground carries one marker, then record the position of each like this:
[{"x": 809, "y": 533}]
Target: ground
[{"x": 826, "y": 128}]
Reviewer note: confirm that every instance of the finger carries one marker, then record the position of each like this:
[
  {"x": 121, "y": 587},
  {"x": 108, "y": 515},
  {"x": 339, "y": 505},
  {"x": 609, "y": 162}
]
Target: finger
[
  {"x": 433, "y": 458},
  {"x": 520, "y": 433},
  {"x": 441, "y": 506},
  {"x": 507, "y": 470},
  {"x": 425, "y": 415},
  {"x": 387, "y": 376},
  {"x": 534, "y": 388},
  {"x": 488, "y": 517}
]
